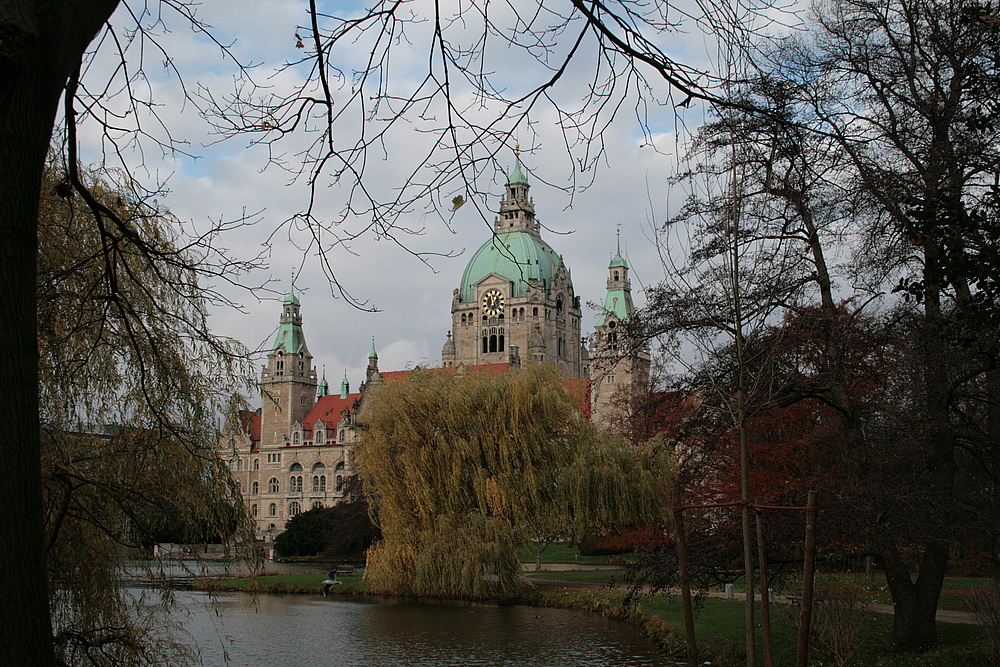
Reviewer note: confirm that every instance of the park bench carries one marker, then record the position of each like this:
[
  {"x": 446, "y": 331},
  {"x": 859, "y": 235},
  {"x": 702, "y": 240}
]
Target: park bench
[{"x": 819, "y": 595}]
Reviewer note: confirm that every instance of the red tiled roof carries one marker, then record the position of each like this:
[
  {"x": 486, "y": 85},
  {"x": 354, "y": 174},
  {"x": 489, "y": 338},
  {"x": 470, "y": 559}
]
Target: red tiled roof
[
  {"x": 250, "y": 422},
  {"x": 499, "y": 369},
  {"x": 329, "y": 409}
]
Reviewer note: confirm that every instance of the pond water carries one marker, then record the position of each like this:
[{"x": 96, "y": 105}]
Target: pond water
[{"x": 310, "y": 630}]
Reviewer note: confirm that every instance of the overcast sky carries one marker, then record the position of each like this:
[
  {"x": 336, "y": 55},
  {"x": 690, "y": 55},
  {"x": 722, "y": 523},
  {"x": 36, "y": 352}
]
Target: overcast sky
[{"x": 413, "y": 299}]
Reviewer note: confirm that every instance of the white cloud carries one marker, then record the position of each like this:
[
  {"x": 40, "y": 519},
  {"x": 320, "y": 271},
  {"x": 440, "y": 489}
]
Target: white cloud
[{"x": 629, "y": 189}]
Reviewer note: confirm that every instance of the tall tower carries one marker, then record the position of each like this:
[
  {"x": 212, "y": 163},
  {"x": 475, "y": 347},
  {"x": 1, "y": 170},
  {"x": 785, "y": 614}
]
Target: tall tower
[
  {"x": 619, "y": 367},
  {"x": 516, "y": 290},
  {"x": 288, "y": 382}
]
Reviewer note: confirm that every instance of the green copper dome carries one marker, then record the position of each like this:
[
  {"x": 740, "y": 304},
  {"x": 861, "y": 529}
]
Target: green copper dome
[
  {"x": 516, "y": 256},
  {"x": 618, "y": 262}
]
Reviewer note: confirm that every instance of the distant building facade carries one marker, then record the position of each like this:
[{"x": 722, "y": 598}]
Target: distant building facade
[{"x": 516, "y": 304}]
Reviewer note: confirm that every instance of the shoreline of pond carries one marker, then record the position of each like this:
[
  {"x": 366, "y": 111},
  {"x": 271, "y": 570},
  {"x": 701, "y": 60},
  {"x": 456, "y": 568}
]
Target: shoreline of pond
[{"x": 562, "y": 595}]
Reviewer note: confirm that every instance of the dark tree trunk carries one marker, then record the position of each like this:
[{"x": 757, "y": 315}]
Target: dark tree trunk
[
  {"x": 41, "y": 43},
  {"x": 914, "y": 627}
]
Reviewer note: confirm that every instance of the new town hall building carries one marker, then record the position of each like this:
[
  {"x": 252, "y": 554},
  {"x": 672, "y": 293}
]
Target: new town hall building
[{"x": 515, "y": 305}]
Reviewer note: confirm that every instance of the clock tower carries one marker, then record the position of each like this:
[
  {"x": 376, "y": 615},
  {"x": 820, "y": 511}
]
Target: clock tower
[
  {"x": 288, "y": 382},
  {"x": 515, "y": 289}
]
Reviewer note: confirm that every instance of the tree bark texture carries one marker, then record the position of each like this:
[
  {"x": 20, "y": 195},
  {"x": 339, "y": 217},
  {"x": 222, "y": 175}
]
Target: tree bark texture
[{"x": 40, "y": 44}]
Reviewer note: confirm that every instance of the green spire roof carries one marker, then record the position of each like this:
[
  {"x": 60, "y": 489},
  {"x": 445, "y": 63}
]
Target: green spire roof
[
  {"x": 517, "y": 176},
  {"x": 618, "y": 303},
  {"x": 515, "y": 256},
  {"x": 291, "y": 298},
  {"x": 373, "y": 354},
  {"x": 290, "y": 339},
  {"x": 345, "y": 387},
  {"x": 618, "y": 262}
]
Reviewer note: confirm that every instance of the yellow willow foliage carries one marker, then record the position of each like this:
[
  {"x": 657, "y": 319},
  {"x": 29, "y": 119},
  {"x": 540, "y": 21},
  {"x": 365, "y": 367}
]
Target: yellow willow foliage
[{"x": 460, "y": 469}]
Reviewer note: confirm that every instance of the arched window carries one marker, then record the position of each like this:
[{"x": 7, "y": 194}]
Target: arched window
[
  {"x": 256, "y": 464},
  {"x": 493, "y": 342},
  {"x": 534, "y": 311},
  {"x": 559, "y": 304},
  {"x": 342, "y": 435},
  {"x": 294, "y": 509},
  {"x": 239, "y": 464},
  {"x": 322, "y": 483},
  {"x": 340, "y": 466},
  {"x": 486, "y": 343},
  {"x": 295, "y": 467},
  {"x": 320, "y": 436},
  {"x": 273, "y": 486},
  {"x": 319, "y": 466},
  {"x": 317, "y": 505},
  {"x": 315, "y": 483},
  {"x": 340, "y": 483},
  {"x": 295, "y": 484},
  {"x": 272, "y": 509},
  {"x": 255, "y": 488},
  {"x": 295, "y": 438},
  {"x": 253, "y": 509},
  {"x": 616, "y": 275}
]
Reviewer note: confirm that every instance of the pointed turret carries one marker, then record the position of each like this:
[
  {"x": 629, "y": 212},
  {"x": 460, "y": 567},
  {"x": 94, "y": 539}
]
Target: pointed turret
[
  {"x": 324, "y": 386},
  {"x": 517, "y": 210},
  {"x": 618, "y": 300},
  {"x": 617, "y": 363},
  {"x": 373, "y": 377},
  {"x": 288, "y": 382},
  {"x": 345, "y": 386}
]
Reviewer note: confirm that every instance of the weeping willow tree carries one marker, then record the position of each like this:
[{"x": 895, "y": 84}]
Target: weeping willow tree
[
  {"x": 462, "y": 469},
  {"x": 130, "y": 385}
]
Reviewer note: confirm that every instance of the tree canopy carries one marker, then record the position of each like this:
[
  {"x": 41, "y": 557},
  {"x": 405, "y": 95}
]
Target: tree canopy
[
  {"x": 461, "y": 469},
  {"x": 130, "y": 386}
]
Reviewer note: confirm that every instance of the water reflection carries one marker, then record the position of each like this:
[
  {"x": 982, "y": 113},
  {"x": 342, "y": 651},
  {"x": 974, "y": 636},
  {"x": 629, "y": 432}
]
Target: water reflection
[{"x": 306, "y": 630}]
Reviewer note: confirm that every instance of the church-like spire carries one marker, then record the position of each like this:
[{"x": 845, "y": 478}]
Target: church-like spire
[
  {"x": 618, "y": 300},
  {"x": 324, "y": 386},
  {"x": 517, "y": 176},
  {"x": 517, "y": 210},
  {"x": 290, "y": 338},
  {"x": 345, "y": 386},
  {"x": 372, "y": 374}
]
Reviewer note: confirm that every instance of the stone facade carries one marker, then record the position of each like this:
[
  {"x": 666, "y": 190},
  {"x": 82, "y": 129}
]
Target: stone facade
[
  {"x": 515, "y": 304},
  {"x": 516, "y": 295}
]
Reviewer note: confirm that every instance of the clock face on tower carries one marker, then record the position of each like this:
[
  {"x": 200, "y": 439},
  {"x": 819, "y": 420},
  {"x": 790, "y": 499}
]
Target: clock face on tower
[{"x": 493, "y": 302}]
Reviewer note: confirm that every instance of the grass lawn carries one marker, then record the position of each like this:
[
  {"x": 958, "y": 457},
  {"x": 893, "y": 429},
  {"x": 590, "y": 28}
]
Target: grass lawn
[
  {"x": 562, "y": 553},
  {"x": 719, "y": 629},
  {"x": 593, "y": 576}
]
